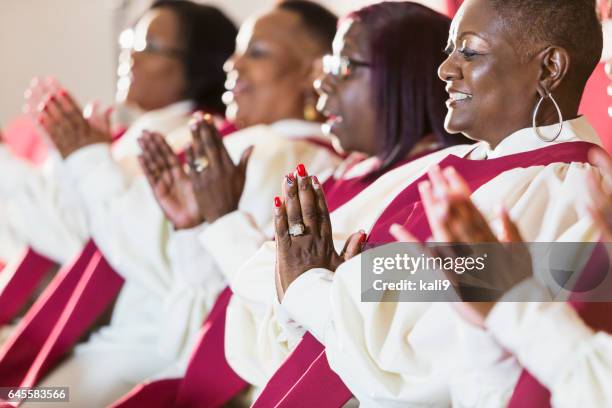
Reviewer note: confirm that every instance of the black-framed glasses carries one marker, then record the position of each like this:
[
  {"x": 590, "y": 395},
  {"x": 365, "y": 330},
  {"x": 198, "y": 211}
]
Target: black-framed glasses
[{"x": 342, "y": 67}]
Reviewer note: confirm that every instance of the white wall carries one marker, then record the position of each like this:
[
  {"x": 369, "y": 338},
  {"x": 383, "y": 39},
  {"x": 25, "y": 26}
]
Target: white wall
[{"x": 74, "y": 40}]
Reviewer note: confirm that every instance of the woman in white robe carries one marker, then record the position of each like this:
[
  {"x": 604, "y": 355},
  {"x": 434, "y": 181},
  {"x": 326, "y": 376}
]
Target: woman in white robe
[
  {"x": 42, "y": 208},
  {"x": 395, "y": 354},
  {"x": 164, "y": 61},
  {"x": 347, "y": 90},
  {"x": 171, "y": 283}
]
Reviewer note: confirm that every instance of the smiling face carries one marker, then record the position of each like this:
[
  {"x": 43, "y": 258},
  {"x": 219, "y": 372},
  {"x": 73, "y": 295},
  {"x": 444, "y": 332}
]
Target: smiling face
[
  {"x": 492, "y": 89},
  {"x": 346, "y": 101},
  {"x": 270, "y": 75}
]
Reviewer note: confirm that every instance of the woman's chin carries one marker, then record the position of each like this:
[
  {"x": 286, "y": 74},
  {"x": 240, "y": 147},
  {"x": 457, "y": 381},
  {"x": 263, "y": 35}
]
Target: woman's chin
[{"x": 455, "y": 125}]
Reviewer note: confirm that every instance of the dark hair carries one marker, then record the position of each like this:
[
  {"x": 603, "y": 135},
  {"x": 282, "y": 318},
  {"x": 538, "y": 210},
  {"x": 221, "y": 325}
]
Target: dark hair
[
  {"x": 208, "y": 40},
  {"x": 317, "y": 20},
  {"x": 570, "y": 24},
  {"x": 406, "y": 43}
]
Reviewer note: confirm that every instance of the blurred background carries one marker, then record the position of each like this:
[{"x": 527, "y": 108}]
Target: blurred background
[{"x": 76, "y": 41}]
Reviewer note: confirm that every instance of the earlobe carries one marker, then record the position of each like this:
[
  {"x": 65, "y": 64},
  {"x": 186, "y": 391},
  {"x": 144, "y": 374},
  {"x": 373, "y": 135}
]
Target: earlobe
[{"x": 555, "y": 65}]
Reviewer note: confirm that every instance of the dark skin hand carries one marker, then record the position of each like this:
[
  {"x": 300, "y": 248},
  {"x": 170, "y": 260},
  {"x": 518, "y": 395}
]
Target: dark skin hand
[
  {"x": 304, "y": 203},
  {"x": 455, "y": 219},
  {"x": 68, "y": 128},
  {"x": 203, "y": 194},
  {"x": 170, "y": 183}
]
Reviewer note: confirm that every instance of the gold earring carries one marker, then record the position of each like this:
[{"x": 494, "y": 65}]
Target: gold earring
[{"x": 310, "y": 110}]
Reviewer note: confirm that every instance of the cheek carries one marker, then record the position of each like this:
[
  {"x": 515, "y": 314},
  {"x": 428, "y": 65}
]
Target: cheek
[{"x": 501, "y": 91}]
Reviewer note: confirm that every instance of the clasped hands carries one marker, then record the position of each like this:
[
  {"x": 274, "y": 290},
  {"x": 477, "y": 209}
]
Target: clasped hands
[
  {"x": 451, "y": 214},
  {"x": 212, "y": 185},
  {"x": 68, "y": 127}
]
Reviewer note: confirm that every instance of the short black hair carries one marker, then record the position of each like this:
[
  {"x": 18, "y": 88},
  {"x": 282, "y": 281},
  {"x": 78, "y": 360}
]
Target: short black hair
[
  {"x": 208, "y": 38},
  {"x": 406, "y": 42},
  {"x": 317, "y": 20},
  {"x": 570, "y": 24}
]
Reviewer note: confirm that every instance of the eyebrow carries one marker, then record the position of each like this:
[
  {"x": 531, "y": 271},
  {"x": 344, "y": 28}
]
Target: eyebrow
[{"x": 466, "y": 33}]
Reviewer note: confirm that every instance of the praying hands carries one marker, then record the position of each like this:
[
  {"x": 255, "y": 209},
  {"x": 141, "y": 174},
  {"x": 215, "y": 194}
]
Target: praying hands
[
  {"x": 303, "y": 231},
  {"x": 210, "y": 189},
  {"x": 69, "y": 128}
]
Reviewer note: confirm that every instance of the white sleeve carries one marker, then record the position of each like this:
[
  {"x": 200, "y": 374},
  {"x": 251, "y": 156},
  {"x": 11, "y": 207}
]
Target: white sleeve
[
  {"x": 551, "y": 341},
  {"x": 40, "y": 207},
  {"x": 380, "y": 350},
  {"x": 196, "y": 284},
  {"x": 548, "y": 339},
  {"x": 125, "y": 220},
  {"x": 239, "y": 229}
]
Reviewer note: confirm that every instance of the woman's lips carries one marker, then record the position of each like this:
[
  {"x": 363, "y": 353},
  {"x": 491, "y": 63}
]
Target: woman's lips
[{"x": 457, "y": 97}]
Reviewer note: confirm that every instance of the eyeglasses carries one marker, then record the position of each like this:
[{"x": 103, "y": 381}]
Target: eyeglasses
[
  {"x": 129, "y": 42},
  {"x": 341, "y": 67}
]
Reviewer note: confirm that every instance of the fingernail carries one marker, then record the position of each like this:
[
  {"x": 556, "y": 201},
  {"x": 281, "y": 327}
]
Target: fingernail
[
  {"x": 277, "y": 202},
  {"x": 362, "y": 238},
  {"x": 194, "y": 124},
  {"x": 199, "y": 116},
  {"x": 301, "y": 170},
  {"x": 290, "y": 179},
  {"x": 41, "y": 120},
  {"x": 315, "y": 182},
  {"x": 208, "y": 118},
  {"x": 62, "y": 92},
  {"x": 424, "y": 186}
]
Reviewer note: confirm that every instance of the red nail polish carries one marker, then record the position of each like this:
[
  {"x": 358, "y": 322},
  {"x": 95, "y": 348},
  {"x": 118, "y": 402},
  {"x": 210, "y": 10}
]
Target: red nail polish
[
  {"x": 277, "y": 202},
  {"x": 62, "y": 92},
  {"x": 362, "y": 239},
  {"x": 315, "y": 181},
  {"x": 290, "y": 179},
  {"x": 301, "y": 170}
]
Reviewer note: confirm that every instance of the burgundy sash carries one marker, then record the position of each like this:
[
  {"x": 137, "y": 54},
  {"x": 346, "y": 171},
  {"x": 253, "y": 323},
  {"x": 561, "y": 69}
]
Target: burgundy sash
[
  {"x": 529, "y": 392},
  {"x": 20, "y": 350},
  {"x": 209, "y": 380},
  {"x": 20, "y": 288},
  {"x": 98, "y": 286},
  {"x": 209, "y": 355},
  {"x": 407, "y": 210}
]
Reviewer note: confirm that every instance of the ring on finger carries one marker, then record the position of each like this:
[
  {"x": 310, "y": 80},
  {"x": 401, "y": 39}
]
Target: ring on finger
[
  {"x": 295, "y": 230},
  {"x": 200, "y": 164}
]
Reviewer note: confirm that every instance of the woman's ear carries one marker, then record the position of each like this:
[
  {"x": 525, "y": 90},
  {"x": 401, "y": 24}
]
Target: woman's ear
[{"x": 555, "y": 63}]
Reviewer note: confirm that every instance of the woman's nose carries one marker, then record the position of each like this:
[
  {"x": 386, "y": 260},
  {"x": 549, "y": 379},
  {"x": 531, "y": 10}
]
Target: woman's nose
[{"x": 449, "y": 70}]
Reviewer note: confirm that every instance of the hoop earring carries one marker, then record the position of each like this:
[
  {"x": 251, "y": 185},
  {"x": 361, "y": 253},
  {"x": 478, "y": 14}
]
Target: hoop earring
[{"x": 535, "y": 115}]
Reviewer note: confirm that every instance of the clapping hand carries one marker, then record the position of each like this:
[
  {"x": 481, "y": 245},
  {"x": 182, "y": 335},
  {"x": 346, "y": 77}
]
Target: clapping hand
[{"x": 454, "y": 219}]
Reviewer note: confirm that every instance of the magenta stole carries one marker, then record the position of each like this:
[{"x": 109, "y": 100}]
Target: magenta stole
[
  {"x": 71, "y": 303},
  {"x": 304, "y": 381},
  {"x": 209, "y": 380}
]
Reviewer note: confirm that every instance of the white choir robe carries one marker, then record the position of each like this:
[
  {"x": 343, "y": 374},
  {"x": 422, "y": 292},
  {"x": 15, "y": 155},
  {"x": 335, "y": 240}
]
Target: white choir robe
[
  {"x": 547, "y": 338},
  {"x": 404, "y": 353},
  {"x": 40, "y": 207},
  {"x": 171, "y": 281},
  {"x": 44, "y": 210}
]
